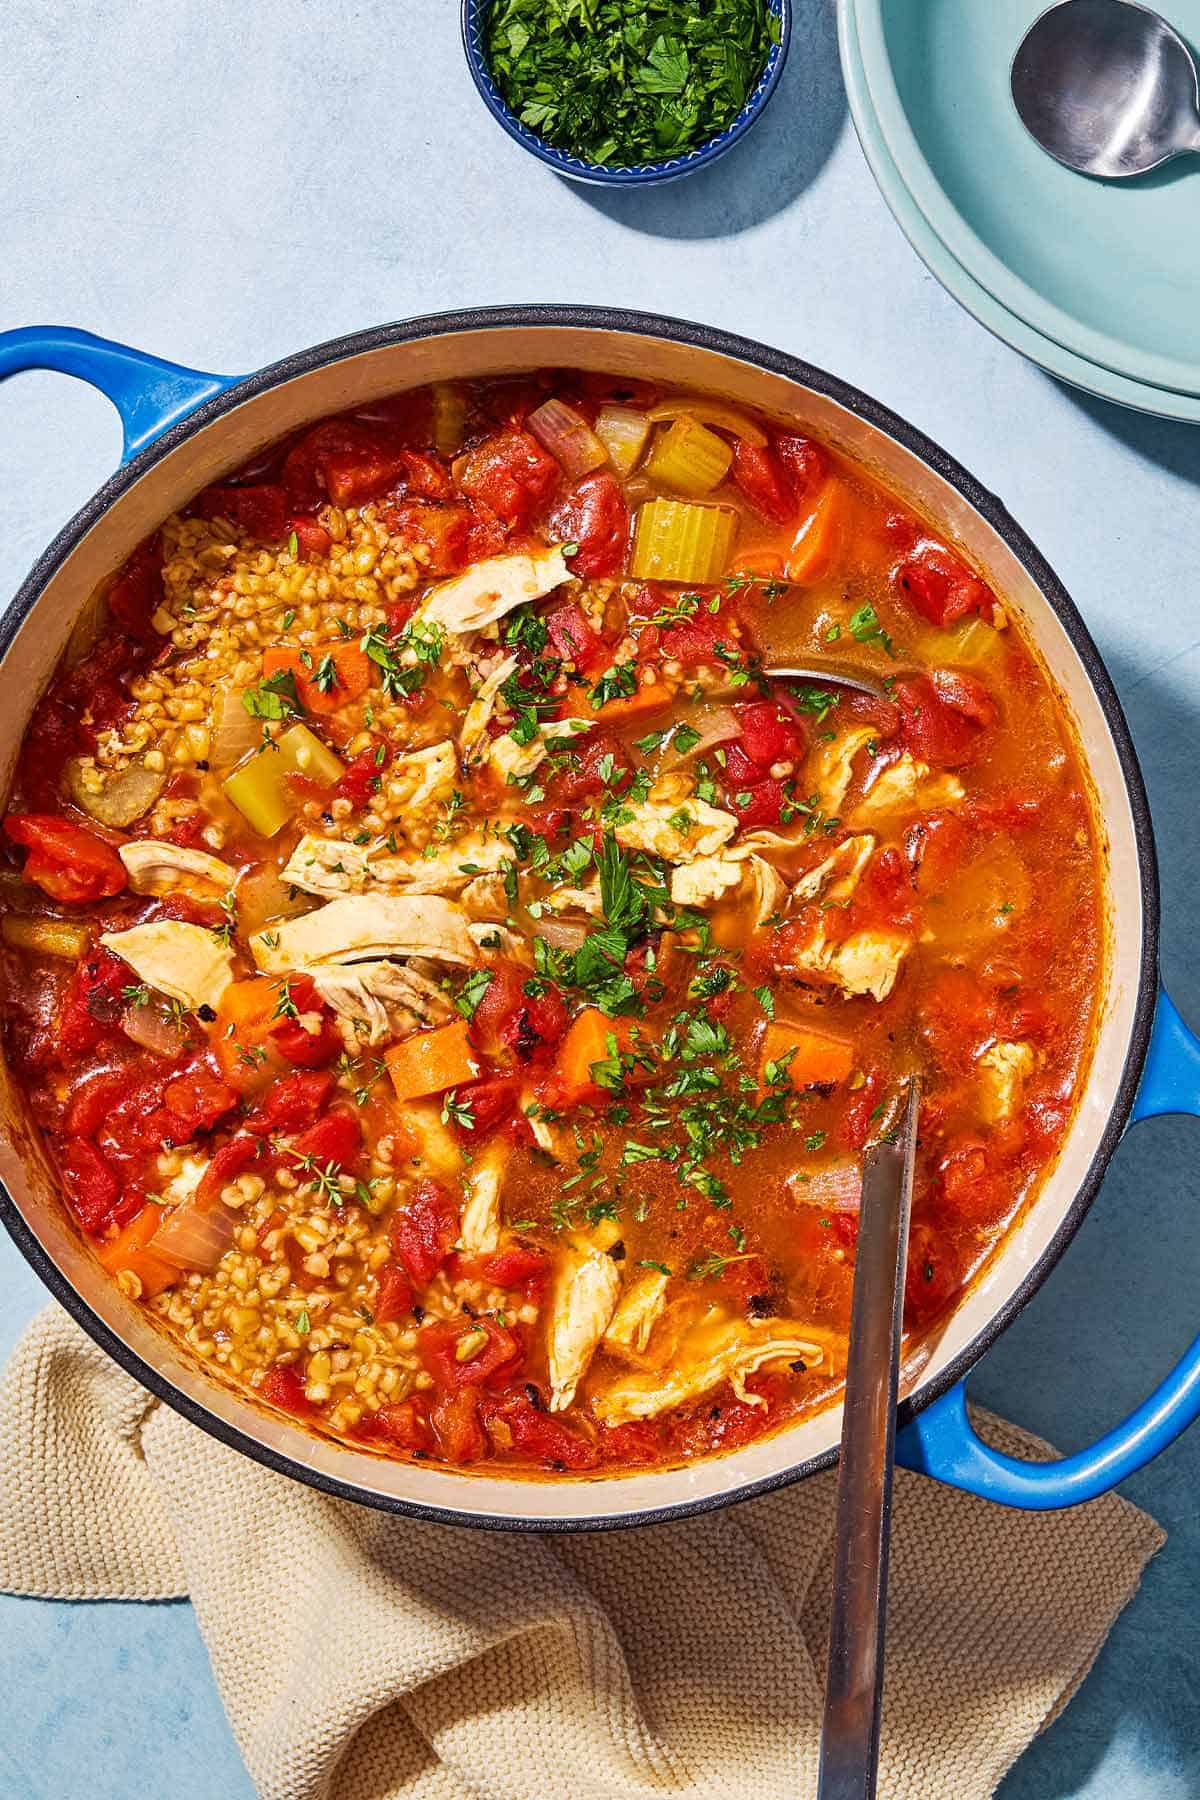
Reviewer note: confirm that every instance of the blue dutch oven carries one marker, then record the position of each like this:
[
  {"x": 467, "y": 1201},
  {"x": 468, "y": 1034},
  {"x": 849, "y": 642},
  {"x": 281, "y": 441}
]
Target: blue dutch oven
[{"x": 185, "y": 429}]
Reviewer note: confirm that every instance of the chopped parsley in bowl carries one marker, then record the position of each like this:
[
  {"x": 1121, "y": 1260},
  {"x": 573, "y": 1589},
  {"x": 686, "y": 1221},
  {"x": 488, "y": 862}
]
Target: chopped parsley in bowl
[{"x": 624, "y": 91}]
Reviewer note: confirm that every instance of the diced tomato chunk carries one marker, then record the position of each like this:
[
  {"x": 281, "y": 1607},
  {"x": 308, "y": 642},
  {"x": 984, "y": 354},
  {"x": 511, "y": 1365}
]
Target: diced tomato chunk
[
  {"x": 513, "y": 1421},
  {"x": 337, "y": 1138},
  {"x": 260, "y": 510},
  {"x": 364, "y": 775},
  {"x": 395, "y": 1297},
  {"x": 510, "y": 474},
  {"x": 424, "y": 1233},
  {"x": 942, "y": 588},
  {"x": 509, "y": 1023},
  {"x": 198, "y": 1098},
  {"x": 513, "y": 1266},
  {"x": 307, "y": 1049},
  {"x": 292, "y": 1102},
  {"x": 575, "y": 640},
  {"x": 466, "y": 1352},
  {"x": 66, "y": 861},
  {"x": 93, "y": 1003},
  {"x": 401, "y": 1424},
  {"x": 759, "y": 804},
  {"x": 136, "y": 594},
  {"x": 486, "y": 1103},
  {"x": 635, "y": 1443},
  {"x": 312, "y": 540},
  {"x": 444, "y": 531},
  {"x": 232, "y": 1159},
  {"x": 769, "y": 734},
  {"x": 805, "y": 462},
  {"x": 92, "y": 1187},
  {"x": 352, "y": 477},
  {"x": 283, "y": 1386},
  {"x": 595, "y": 517},
  {"x": 583, "y": 775},
  {"x": 456, "y": 1428},
  {"x": 935, "y": 725},
  {"x": 764, "y": 481}
]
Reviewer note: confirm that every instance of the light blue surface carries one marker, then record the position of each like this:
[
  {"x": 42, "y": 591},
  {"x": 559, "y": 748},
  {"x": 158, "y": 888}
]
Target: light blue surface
[
  {"x": 223, "y": 197},
  {"x": 1109, "y": 269}
]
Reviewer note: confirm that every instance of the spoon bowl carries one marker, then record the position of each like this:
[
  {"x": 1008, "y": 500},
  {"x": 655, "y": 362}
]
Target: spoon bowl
[{"x": 1107, "y": 87}]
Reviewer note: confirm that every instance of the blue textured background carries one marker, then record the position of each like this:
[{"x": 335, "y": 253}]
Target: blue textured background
[{"x": 223, "y": 185}]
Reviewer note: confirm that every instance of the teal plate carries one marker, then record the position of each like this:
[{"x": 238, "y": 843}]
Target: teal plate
[
  {"x": 1050, "y": 355},
  {"x": 1109, "y": 271}
]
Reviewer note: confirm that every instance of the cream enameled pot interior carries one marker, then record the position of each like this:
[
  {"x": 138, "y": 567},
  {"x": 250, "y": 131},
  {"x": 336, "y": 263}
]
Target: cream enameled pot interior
[{"x": 366, "y": 375}]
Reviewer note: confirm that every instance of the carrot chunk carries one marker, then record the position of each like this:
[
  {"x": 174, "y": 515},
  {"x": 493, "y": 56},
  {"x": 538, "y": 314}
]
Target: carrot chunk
[
  {"x": 818, "y": 538},
  {"x": 585, "y": 1045},
  {"x": 813, "y": 1059},
  {"x": 326, "y": 676},
  {"x": 128, "y": 1253},
  {"x": 432, "y": 1061}
]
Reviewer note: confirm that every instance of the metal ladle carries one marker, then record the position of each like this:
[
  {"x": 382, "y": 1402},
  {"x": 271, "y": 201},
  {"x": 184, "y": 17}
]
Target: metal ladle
[{"x": 1107, "y": 87}]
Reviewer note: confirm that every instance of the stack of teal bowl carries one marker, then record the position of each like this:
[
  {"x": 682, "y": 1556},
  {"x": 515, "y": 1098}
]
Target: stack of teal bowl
[{"x": 1098, "y": 282}]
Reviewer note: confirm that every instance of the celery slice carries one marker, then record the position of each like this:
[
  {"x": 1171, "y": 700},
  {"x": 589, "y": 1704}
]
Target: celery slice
[
  {"x": 677, "y": 541},
  {"x": 623, "y": 432},
  {"x": 260, "y": 788},
  {"x": 44, "y": 937},
  {"x": 449, "y": 418},
  {"x": 689, "y": 457}
]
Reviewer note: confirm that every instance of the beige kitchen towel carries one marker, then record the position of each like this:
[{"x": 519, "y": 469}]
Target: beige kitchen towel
[{"x": 366, "y": 1657}]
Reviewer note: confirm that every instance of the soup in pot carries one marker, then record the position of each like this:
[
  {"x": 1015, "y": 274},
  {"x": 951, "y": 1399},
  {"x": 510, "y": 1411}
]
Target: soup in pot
[{"x": 457, "y": 980}]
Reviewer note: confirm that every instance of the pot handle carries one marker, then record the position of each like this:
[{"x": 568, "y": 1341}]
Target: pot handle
[
  {"x": 149, "y": 394},
  {"x": 940, "y": 1441}
]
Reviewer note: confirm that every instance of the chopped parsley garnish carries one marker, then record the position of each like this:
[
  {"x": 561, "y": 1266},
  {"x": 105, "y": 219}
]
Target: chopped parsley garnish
[
  {"x": 617, "y": 683},
  {"x": 472, "y": 991},
  {"x": 274, "y": 698},
  {"x": 614, "y": 82},
  {"x": 457, "y": 1111},
  {"x": 401, "y": 676},
  {"x": 865, "y": 627}
]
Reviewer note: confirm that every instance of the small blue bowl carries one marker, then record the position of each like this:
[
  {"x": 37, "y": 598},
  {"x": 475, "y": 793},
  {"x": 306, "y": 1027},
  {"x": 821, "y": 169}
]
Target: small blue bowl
[{"x": 474, "y": 15}]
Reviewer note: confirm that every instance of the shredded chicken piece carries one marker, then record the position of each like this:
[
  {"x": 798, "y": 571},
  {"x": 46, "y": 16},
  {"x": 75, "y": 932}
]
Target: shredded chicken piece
[
  {"x": 489, "y": 589},
  {"x": 330, "y": 867},
  {"x": 482, "y": 1223},
  {"x": 835, "y": 879},
  {"x": 830, "y": 767},
  {"x": 640, "y": 1307},
  {"x": 185, "y": 962},
  {"x": 473, "y": 738},
  {"x": 434, "y": 769},
  {"x": 585, "y": 1297},
  {"x": 907, "y": 785},
  {"x": 154, "y": 867},
  {"x": 512, "y": 762},
  {"x": 678, "y": 833},
  {"x": 715, "y": 1349},
  {"x": 364, "y": 928},
  {"x": 382, "y": 1000},
  {"x": 1004, "y": 1068}
]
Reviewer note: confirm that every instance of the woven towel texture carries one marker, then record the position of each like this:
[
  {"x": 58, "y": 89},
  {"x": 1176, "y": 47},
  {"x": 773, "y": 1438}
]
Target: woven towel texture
[{"x": 364, "y": 1657}]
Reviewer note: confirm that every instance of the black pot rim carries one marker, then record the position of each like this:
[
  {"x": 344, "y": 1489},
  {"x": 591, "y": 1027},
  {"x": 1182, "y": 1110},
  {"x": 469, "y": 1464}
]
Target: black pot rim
[{"x": 776, "y": 362}]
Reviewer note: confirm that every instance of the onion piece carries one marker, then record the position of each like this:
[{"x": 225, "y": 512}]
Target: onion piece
[
  {"x": 449, "y": 417},
  {"x": 561, "y": 934},
  {"x": 568, "y": 437},
  {"x": 264, "y": 897},
  {"x": 234, "y": 731},
  {"x": 154, "y": 1029},
  {"x": 194, "y": 1236},
  {"x": 715, "y": 724},
  {"x": 120, "y": 799},
  {"x": 837, "y": 1187},
  {"x": 623, "y": 432},
  {"x": 710, "y": 412}
]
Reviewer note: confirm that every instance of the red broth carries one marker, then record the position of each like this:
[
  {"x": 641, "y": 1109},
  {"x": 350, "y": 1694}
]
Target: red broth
[{"x": 458, "y": 986}]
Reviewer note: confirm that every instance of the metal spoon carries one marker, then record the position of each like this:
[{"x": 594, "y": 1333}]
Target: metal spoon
[
  {"x": 854, "y": 1682},
  {"x": 826, "y": 675},
  {"x": 1107, "y": 87}
]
